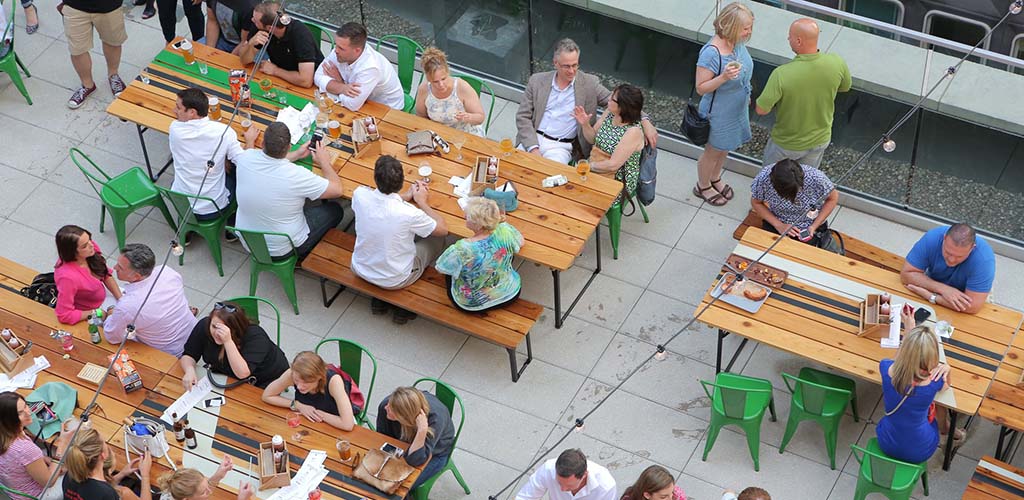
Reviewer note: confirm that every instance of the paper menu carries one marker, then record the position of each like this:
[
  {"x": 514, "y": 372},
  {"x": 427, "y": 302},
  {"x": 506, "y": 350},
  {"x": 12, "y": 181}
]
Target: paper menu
[
  {"x": 309, "y": 476},
  {"x": 895, "y": 324},
  {"x": 187, "y": 401}
]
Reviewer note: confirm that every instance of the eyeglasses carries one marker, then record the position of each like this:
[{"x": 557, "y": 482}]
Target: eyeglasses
[
  {"x": 227, "y": 307},
  {"x": 569, "y": 66}
]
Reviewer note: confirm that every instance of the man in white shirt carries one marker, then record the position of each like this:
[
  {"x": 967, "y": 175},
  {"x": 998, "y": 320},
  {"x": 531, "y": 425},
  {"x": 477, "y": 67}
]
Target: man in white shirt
[
  {"x": 194, "y": 139},
  {"x": 570, "y": 477},
  {"x": 355, "y": 73},
  {"x": 395, "y": 241},
  {"x": 272, "y": 193},
  {"x": 166, "y": 320}
]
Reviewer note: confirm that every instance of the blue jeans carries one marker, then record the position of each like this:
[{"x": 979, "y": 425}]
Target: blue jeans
[
  {"x": 230, "y": 181},
  {"x": 434, "y": 466}
]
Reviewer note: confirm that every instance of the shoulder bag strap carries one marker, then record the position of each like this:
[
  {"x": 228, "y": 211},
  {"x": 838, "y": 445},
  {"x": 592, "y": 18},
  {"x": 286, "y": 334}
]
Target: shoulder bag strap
[
  {"x": 905, "y": 396},
  {"x": 712, "y": 105}
]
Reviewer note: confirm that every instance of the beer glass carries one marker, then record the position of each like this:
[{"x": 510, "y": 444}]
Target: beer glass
[
  {"x": 187, "y": 52},
  {"x": 583, "y": 168},
  {"x": 334, "y": 129},
  {"x": 507, "y": 146},
  {"x": 214, "y": 111}
]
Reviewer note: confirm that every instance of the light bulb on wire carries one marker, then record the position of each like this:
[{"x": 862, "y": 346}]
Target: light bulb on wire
[
  {"x": 177, "y": 249},
  {"x": 661, "y": 354},
  {"x": 1016, "y": 6},
  {"x": 889, "y": 145},
  {"x": 579, "y": 425}
]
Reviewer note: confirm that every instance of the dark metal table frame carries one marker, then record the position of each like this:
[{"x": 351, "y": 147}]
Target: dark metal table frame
[
  {"x": 145, "y": 154},
  {"x": 556, "y": 278}
]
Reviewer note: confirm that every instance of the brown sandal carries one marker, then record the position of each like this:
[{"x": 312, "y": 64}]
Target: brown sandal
[
  {"x": 727, "y": 193},
  {"x": 716, "y": 201}
]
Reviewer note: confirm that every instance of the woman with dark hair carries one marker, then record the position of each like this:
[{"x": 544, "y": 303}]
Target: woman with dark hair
[
  {"x": 321, "y": 394},
  {"x": 22, "y": 464},
  {"x": 654, "y": 483},
  {"x": 232, "y": 345},
  {"x": 81, "y": 273},
  {"x": 618, "y": 136},
  {"x": 788, "y": 193}
]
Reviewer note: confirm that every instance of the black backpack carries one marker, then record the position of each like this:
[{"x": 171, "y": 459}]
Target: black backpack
[{"x": 43, "y": 290}]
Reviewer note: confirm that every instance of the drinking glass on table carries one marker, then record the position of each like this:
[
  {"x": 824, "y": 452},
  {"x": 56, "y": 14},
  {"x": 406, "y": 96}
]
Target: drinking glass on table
[
  {"x": 344, "y": 449},
  {"x": 203, "y": 67},
  {"x": 294, "y": 419},
  {"x": 507, "y": 146},
  {"x": 214, "y": 111},
  {"x": 144, "y": 75},
  {"x": 334, "y": 129},
  {"x": 267, "y": 86},
  {"x": 583, "y": 168},
  {"x": 458, "y": 148},
  {"x": 246, "y": 119},
  {"x": 187, "y": 52}
]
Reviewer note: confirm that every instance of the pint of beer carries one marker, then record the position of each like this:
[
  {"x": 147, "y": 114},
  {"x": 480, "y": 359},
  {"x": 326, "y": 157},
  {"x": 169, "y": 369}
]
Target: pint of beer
[
  {"x": 334, "y": 129},
  {"x": 187, "y": 53},
  {"x": 214, "y": 111}
]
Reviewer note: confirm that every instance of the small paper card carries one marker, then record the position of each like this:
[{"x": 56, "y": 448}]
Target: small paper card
[{"x": 888, "y": 343}]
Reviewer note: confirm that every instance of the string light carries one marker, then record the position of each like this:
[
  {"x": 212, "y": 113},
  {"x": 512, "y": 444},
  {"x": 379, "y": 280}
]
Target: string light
[
  {"x": 209, "y": 166},
  {"x": 1016, "y": 6},
  {"x": 661, "y": 354},
  {"x": 177, "y": 249},
  {"x": 579, "y": 425},
  {"x": 889, "y": 145},
  {"x": 129, "y": 331}
]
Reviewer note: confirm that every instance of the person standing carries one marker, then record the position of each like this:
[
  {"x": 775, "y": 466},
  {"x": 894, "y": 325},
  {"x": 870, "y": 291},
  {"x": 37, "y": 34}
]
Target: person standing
[
  {"x": 354, "y": 73},
  {"x": 80, "y": 18},
  {"x": 803, "y": 93},
  {"x": 168, "y": 12},
  {"x": 228, "y": 24},
  {"x": 724, "y": 68}
]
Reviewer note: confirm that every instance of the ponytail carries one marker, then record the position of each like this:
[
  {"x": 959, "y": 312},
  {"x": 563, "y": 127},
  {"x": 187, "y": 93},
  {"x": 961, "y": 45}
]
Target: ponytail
[{"x": 84, "y": 454}]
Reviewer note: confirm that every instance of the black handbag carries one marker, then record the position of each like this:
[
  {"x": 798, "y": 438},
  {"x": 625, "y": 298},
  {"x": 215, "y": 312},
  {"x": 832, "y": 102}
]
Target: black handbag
[{"x": 695, "y": 127}]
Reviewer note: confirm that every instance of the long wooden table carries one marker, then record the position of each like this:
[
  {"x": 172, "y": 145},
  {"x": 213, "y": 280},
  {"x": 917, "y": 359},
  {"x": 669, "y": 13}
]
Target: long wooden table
[
  {"x": 555, "y": 222},
  {"x": 995, "y": 480},
  {"x": 815, "y": 315},
  {"x": 234, "y": 429},
  {"x": 1004, "y": 402}
]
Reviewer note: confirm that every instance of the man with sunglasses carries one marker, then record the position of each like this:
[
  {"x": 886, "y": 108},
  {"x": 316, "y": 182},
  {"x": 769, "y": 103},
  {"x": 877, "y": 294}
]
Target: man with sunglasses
[{"x": 166, "y": 320}]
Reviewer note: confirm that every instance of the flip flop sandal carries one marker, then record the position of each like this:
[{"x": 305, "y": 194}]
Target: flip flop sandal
[
  {"x": 727, "y": 192},
  {"x": 32, "y": 28},
  {"x": 716, "y": 201}
]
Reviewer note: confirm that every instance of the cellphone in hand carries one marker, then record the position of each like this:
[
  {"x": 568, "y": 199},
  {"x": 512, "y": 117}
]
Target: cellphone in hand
[
  {"x": 921, "y": 314},
  {"x": 805, "y": 235},
  {"x": 214, "y": 402},
  {"x": 318, "y": 137}
]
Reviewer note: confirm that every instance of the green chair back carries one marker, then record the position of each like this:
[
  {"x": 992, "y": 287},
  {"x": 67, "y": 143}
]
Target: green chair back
[
  {"x": 319, "y": 31},
  {"x": 741, "y": 401},
  {"x": 260, "y": 260},
  {"x": 407, "y": 50},
  {"x": 881, "y": 474},
  {"x": 122, "y": 195},
  {"x": 479, "y": 86},
  {"x": 350, "y": 357},
  {"x": 251, "y": 305},
  {"x": 13, "y": 494},
  {"x": 449, "y": 398},
  {"x": 9, "y": 61},
  {"x": 819, "y": 402},
  {"x": 210, "y": 230}
]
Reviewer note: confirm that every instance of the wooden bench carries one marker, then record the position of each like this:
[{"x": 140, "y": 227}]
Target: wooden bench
[
  {"x": 508, "y": 326},
  {"x": 855, "y": 249},
  {"x": 995, "y": 480}
]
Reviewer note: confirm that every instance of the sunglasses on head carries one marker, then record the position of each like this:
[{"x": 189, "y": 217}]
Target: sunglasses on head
[{"x": 227, "y": 307}]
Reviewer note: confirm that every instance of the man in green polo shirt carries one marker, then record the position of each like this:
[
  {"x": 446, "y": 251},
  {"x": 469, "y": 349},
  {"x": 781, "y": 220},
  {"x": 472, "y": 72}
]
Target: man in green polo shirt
[{"x": 804, "y": 91}]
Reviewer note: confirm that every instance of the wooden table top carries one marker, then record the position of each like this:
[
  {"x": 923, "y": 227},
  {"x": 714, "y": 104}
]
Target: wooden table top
[
  {"x": 234, "y": 429},
  {"x": 995, "y": 480},
  {"x": 815, "y": 315},
  {"x": 1004, "y": 402},
  {"x": 555, "y": 222}
]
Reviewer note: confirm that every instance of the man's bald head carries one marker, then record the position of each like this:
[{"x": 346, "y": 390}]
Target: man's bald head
[{"x": 803, "y": 36}]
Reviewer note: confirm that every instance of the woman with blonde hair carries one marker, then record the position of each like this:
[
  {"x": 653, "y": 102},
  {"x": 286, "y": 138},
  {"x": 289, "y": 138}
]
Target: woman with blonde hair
[
  {"x": 446, "y": 99},
  {"x": 654, "y": 483},
  {"x": 478, "y": 269},
  {"x": 190, "y": 484},
  {"x": 321, "y": 393},
  {"x": 724, "y": 69},
  {"x": 84, "y": 461},
  {"x": 909, "y": 431},
  {"x": 419, "y": 418}
]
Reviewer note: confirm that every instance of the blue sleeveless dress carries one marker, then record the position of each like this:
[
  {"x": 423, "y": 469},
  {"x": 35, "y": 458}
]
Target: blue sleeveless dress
[
  {"x": 730, "y": 116},
  {"x": 906, "y": 434}
]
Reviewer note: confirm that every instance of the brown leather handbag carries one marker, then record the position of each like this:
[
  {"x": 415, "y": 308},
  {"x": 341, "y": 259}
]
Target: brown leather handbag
[{"x": 382, "y": 471}]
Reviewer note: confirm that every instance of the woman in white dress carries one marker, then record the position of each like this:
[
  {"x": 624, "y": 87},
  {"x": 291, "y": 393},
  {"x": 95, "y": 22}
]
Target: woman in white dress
[{"x": 445, "y": 99}]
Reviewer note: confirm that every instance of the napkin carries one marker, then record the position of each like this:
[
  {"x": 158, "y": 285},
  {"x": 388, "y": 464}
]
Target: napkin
[
  {"x": 297, "y": 121},
  {"x": 895, "y": 322}
]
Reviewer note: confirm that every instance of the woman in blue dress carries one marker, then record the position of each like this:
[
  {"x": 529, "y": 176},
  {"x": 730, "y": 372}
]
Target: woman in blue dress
[
  {"x": 909, "y": 430},
  {"x": 724, "y": 69}
]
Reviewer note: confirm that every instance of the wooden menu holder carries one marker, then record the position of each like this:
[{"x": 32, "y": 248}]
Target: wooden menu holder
[
  {"x": 269, "y": 476},
  {"x": 12, "y": 361},
  {"x": 479, "y": 178},
  {"x": 363, "y": 142},
  {"x": 873, "y": 324}
]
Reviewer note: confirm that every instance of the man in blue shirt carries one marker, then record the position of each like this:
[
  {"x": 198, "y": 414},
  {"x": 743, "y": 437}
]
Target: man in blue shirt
[{"x": 952, "y": 267}]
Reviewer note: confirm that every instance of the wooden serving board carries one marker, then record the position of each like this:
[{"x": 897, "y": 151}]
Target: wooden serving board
[{"x": 757, "y": 272}]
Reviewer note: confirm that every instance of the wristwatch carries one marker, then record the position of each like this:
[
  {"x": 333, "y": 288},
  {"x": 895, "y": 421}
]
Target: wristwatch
[
  {"x": 932, "y": 299},
  {"x": 292, "y": 405}
]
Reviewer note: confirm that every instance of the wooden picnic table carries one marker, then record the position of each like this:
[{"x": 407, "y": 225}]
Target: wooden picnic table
[
  {"x": 555, "y": 222},
  {"x": 235, "y": 429},
  {"x": 815, "y": 315},
  {"x": 995, "y": 480},
  {"x": 1004, "y": 402}
]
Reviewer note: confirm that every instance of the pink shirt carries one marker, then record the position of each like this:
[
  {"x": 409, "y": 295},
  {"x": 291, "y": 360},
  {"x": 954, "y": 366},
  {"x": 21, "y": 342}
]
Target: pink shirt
[
  {"x": 13, "y": 463},
  {"x": 77, "y": 290}
]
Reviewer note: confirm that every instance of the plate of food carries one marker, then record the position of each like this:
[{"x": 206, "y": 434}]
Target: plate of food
[
  {"x": 761, "y": 273},
  {"x": 745, "y": 294}
]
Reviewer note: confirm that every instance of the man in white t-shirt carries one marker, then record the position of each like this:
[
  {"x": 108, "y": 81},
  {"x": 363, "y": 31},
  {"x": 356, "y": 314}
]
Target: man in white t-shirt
[
  {"x": 570, "y": 477},
  {"x": 354, "y": 72},
  {"x": 395, "y": 240},
  {"x": 194, "y": 139},
  {"x": 272, "y": 193}
]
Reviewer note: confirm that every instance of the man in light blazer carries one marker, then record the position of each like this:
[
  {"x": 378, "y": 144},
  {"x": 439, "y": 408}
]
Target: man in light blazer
[{"x": 545, "y": 120}]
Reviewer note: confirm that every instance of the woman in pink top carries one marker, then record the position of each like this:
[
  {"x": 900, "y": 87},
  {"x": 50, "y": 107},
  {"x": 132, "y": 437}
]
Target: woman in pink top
[
  {"x": 22, "y": 464},
  {"x": 80, "y": 273}
]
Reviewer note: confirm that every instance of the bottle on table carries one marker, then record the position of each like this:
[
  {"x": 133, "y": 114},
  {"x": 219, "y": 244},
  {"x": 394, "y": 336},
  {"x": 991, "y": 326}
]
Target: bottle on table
[
  {"x": 277, "y": 447},
  {"x": 179, "y": 428},
  {"x": 95, "y": 322}
]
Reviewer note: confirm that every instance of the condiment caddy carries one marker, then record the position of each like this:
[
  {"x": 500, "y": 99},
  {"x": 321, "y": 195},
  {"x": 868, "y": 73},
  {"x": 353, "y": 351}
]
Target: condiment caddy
[{"x": 875, "y": 314}]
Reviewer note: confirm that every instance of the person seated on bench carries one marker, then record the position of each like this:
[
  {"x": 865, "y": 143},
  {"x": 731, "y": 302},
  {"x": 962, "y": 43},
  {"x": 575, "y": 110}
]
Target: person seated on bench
[
  {"x": 951, "y": 266},
  {"x": 80, "y": 274},
  {"x": 321, "y": 393},
  {"x": 190, "y": 484},
  {"x": 419, "y": 418},
  {"x": 395, "y": 240},
  {"x": 786, "y": 192},
  {"x": 478, "y": 269},
  {"x": 272, "y": 193},
  {"x": 232, "y": 345}
]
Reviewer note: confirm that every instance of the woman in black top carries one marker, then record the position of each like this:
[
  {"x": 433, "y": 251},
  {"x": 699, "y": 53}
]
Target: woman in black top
[
  {"x": 321, "y": 394},
  {"x": 419, "y": 418},
  {"x": 233, "y": 346},
  {"x": 84, "y": 463}
]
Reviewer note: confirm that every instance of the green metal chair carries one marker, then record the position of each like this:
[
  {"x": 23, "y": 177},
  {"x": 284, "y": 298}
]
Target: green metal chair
[
  {"x": 890, "y": 477},
  {"x": 614, "y": 217},
  {"x": 480, "y": 85},
  {"x": 9, "y": 61},
  {"x": 13, "y": 494},
  {"x": 210, "y": 230},
  {"x": 251, "y": 305},
  {"x": 738, "y": 400},
  {"x": 319, "y": 31},
  {"x": 407, "y": 50},
  {"x": 814, "y": 398},
  {"x": 448, "y": 396},
  {"x": 121, "y": 195},
  {"x": 260, "y": 260},
  {"x": 350, "y": 358}
]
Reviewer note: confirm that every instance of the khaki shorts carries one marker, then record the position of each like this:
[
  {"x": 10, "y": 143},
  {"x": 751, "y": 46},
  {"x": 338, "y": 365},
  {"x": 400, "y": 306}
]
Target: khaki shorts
[{"x": 78, "y": 27}]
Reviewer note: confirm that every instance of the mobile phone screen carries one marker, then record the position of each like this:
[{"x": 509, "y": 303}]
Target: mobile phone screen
[
  {"x": 392, "y": 449},
  {"x": 215, "y": 402}
]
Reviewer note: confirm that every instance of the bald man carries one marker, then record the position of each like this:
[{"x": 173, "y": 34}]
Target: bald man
[{"x": 803, "y": 93}]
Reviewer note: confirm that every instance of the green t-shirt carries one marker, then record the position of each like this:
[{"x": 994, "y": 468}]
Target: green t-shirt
[{"x": 804, "y": 91}]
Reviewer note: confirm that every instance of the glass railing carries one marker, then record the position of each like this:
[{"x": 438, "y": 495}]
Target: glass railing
[{"x": 943, "y": 165}]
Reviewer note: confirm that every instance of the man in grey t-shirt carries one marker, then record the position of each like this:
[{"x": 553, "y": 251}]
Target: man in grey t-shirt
[{"x": 228, "y": 23}]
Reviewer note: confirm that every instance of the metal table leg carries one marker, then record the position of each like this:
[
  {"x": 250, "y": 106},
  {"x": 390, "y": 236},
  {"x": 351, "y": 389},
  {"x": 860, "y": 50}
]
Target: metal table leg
[
  {"x": 949, "y": 440},
  {"x": 722, "y": 334},
  {"x": 145, "y": 155},
  {"x": 556, "y": 274}
]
